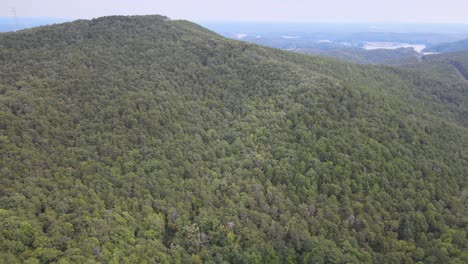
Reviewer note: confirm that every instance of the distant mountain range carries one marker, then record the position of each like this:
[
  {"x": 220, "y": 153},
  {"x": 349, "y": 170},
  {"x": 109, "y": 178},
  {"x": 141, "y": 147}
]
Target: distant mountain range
[
  {"x": 19, "y": 23},
  {"x": 461, "y": 45},
  {"x": 390, "y": 44},
  {"x": 341, "y": 41}
]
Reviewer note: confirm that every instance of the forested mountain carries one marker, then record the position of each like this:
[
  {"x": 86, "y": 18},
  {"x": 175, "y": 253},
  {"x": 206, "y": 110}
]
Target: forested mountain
[
  {"x": 146, "y": 140},
  {"x": 461, "y": 45},
  {"x": 350, "y": 52},
  {"x": 358, "y": 55},
  {"x": 448, "y": 67}
]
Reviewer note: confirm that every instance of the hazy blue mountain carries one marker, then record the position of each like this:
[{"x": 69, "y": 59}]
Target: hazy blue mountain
[
  {"x": 12, "y": 24},
  {"x": 461, "y": 45},
  {"x": 346, "y": 41}
]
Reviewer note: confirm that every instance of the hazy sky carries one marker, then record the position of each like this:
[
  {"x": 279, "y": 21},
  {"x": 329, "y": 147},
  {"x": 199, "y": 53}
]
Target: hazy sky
[{"x": 251, "y": 10}]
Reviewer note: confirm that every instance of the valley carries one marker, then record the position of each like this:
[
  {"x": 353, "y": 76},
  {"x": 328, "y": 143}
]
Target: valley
[{"x": 392, "y": 44}]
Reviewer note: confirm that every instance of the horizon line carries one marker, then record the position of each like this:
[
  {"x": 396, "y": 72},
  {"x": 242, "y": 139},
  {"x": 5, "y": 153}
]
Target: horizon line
[{"x": 260, "y": 21}]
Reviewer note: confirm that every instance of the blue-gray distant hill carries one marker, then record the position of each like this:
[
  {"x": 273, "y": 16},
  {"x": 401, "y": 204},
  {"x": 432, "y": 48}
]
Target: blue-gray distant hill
[
  {"x": 11, "y": 24},
  {"x": 448, "y": 47}
]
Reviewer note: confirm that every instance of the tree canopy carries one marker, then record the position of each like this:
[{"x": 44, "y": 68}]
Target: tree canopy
[{"x": 147, "y": 140}]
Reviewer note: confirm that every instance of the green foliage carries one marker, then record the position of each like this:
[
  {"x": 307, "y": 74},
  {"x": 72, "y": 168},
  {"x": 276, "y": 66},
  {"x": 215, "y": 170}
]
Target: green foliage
[
  {"x": 359, "y": 55},
  {"x": 145, "y": 140}
]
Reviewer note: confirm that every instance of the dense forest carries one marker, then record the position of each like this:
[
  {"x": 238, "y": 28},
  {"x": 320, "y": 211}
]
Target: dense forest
[
  {"x": 447, "y": 67},
  {"x": 401, "y": 56},
  {"x": 148, "y": 140}
]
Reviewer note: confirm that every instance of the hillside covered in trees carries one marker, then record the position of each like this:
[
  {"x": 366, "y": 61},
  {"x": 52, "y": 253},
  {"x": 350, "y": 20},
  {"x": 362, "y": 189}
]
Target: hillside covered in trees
[
  {"x": 147, "y": 140},
  {"x": 395, "y": 57},
  {"x": 461, "y": 45},
  {"x": 447, "y": 67}
]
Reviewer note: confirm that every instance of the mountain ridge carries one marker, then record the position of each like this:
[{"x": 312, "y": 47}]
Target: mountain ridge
[{"x": 461, "y": 45}]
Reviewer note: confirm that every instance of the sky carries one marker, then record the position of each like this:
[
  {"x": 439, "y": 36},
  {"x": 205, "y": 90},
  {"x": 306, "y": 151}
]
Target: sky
[{"x": 419, "y": 11}]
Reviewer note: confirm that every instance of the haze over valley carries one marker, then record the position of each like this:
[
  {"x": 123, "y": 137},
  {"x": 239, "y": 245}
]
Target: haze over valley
[{"x": 348, "y": 41}]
